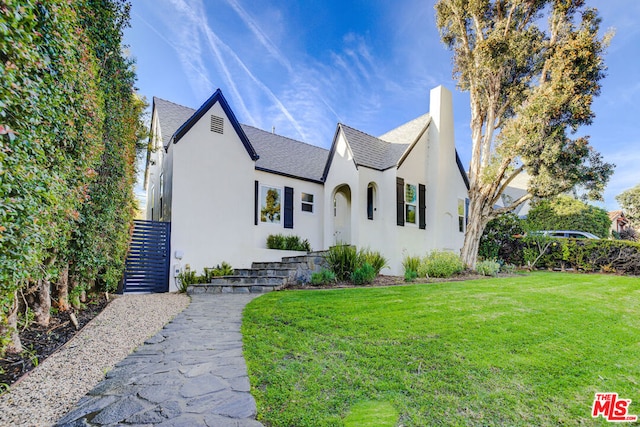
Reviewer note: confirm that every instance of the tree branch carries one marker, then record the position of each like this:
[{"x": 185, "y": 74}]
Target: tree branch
[{"x": 513, "y": 205}]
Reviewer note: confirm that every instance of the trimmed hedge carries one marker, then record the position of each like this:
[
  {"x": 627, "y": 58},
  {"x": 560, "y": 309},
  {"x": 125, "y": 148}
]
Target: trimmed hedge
[
  {"x": 589, "y": 255},
  {"x": 288, "y": 243}
]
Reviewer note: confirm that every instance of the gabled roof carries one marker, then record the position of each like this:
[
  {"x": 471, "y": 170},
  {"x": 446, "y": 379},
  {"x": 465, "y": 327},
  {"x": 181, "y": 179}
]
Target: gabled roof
[
  {"x": 217, "y": 97},
  {"x": 372, "y": 152},
  {"x": 407, "y": 132},
  {"x": 273, "y": 153},
  {"x": 286, "y": 156},
  {"x": 171, "y": 117},
  {"x": 614, "y": 215}
]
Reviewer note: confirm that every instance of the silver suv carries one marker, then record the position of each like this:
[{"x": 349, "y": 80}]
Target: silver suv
[{"x": 569, "y": 234}]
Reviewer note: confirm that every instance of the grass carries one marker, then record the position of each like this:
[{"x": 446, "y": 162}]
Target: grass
[{"x": 517, "y": 351}]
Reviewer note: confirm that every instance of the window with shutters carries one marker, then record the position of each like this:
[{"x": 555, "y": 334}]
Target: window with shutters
[
  {"x": 270, "y": 204},
  {"x": 307, "y": 202},
  {"x": 411, "y": 203}
]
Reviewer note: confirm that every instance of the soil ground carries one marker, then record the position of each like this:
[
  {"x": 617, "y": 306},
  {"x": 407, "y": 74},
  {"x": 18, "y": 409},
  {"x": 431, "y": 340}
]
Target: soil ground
[
  {"x": 39, "y": 342},
  {"x": 383, "y": 280}
]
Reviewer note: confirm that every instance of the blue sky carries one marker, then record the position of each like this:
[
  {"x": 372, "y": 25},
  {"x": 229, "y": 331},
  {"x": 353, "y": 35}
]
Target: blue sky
[{"x": 303, "y": 66}]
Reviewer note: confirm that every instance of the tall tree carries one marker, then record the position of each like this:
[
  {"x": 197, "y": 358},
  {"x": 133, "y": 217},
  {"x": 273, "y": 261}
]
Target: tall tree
[
  {"x": 531, "y": 87},
  {"x": 629, "y": 201}
]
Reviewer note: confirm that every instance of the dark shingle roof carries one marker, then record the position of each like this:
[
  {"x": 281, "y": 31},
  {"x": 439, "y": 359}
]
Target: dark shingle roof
[
  {"x": 285, "y": 155},
  {"x": 171, "y": 117},
  {"x": 277, "y": 153},
  {"x": 373, "y": 152}
]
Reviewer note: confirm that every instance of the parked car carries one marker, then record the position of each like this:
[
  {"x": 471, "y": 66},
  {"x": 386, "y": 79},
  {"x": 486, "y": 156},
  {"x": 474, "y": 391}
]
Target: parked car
[{"x": 568, "y": 234}]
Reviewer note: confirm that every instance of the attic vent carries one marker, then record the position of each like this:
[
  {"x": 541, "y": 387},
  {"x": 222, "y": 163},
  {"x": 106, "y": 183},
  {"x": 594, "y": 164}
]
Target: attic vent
[{"x": 217, "y": 124}]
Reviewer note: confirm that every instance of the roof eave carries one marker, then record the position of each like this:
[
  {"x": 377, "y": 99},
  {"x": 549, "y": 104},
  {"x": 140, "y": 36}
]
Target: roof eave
[{"x": 413, "y": 144}]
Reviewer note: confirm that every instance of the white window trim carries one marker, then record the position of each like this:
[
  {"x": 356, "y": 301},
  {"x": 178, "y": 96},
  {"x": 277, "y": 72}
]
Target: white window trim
[
  {"x": 461, "y": 216},
  {"x": 313, "y": 204},
  {"x": 263, "y": 189},
  {"x": 415, "y": 204}
]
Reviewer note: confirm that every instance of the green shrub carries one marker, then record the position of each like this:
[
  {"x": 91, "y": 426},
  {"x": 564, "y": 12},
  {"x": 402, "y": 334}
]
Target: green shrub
[
  {"x": 500, "y": 239},
  {"x": 488, "y": 267},
  {"x": 187, "y": 277},
  {"x": 508, "y": 268},
  {"x": 410, "y": 275},
  {"x": 288, "y": 243},
  {"x": 411, "y": 263},
  {"x": 585, "y": 254},
  {"x": 343, "y": 260},
  {"x": 275, "y": 241},
  {"x": 373, "y": 258},
  {"x": 441, "y": 264},
  {"x": 323, "y": 277},
  {"x": 224, "y": 269},
  {"x": 364, "y": 274}
]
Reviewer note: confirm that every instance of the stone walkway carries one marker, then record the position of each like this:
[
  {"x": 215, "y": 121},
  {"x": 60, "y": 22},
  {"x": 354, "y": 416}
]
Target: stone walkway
[{"x": 192, "y": 373}]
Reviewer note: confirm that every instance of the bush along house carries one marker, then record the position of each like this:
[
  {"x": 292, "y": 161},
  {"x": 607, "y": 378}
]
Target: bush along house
[{"x": 225, "y": 187}]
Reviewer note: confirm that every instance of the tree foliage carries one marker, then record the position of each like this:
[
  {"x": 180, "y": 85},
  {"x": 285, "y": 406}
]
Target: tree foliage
[
  {"x": 531, "y": 87},
  {"x": 68, "y": 127},
  {"x": 629, "y": 201},
  {"x": 567, "y": 213}
]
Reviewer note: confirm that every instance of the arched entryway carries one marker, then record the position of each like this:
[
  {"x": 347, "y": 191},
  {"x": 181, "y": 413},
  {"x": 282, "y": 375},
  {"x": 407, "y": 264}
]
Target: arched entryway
[{"x": 342, "y": 215}]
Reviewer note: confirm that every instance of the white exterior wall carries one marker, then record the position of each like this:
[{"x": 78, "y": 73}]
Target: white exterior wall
[
  {"x": 444, "y": 172},
  {"x": 305, "y": 225},
  {"x": 379, "y": 234},
  {"x": 343, "y": 171},
  {"x": 416, "y": 170},
  {"x": 213, "y": 197},
  {"x": 155, "y": 168}
]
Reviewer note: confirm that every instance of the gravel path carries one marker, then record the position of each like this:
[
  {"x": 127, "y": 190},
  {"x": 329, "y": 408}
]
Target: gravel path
[{"x": 51, "y": 390}]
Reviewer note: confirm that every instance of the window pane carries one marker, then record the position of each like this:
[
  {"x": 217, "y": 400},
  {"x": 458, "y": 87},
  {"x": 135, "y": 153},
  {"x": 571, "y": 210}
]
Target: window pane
[
  {"x": 410, "y": 194},
  {"x": 411, "y": 214},
  {"x": 306, "y": 207},
  {"x": 307, "y": 197},
  {"x": 270, "y": 206}
]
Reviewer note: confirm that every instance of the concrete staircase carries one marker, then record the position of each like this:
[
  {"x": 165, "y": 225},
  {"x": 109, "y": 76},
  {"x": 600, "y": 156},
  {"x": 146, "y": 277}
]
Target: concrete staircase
[{"x": 265, "y": 276}]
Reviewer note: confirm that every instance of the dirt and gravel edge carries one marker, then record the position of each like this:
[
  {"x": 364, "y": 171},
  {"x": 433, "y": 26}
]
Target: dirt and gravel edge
[{"x": 51, "y": 389}]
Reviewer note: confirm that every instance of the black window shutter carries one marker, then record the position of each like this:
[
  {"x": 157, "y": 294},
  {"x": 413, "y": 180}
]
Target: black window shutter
[
  {"x": 422, "y": 205},
  {"x": 288, "y": 207},
  {"x": 466, "y": 211},
  {"x": 255, "y": 204},
  {"x": 369, "y": 202},
  {"x": 400, "y": 201}
]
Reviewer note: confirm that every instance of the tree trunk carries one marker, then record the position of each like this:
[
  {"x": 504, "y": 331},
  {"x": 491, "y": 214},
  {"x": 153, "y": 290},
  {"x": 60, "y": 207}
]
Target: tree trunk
[
  {"x": 62, "y": 289},
  {"x": 10, "y": 328},
  {"x": 42, "y": 305},
  {"x": 475, "y": 228},
  {"x": 75, "y": 295}
]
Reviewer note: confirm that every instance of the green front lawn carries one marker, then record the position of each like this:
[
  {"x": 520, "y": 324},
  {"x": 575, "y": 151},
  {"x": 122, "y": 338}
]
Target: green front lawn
[{"x": 529, "y": 350}]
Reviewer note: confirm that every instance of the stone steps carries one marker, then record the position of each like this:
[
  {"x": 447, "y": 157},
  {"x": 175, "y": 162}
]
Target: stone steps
[{"x": 265, "y": 276}]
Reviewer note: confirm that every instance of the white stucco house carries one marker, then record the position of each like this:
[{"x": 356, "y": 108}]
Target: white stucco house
[{"x": 401, "y": 193}]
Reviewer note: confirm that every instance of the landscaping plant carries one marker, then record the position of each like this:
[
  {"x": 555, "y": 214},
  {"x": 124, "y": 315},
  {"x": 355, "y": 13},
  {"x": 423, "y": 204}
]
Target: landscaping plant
[
  {"x": 344, "y": 260},
  {"x": 440, "y": 264},
  {"x": 488, "y": 267},
  {"x": 363, "y": 274},
  {"x": 288, "y": 243},
  {"x": 323, "y": 277}
]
